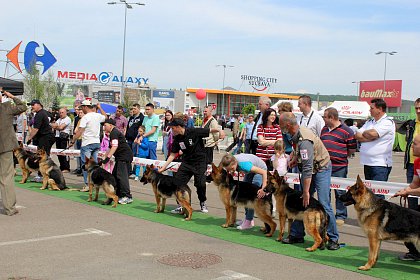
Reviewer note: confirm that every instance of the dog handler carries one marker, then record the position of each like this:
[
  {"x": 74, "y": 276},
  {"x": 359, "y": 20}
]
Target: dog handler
[
  {"x": 8, "y": 142},
  {"x": 123, "y": 157},
  {"x": 256, "y": 173},
  {"x": 190, "y": 142},
  {"x": 414, "y": 190}
]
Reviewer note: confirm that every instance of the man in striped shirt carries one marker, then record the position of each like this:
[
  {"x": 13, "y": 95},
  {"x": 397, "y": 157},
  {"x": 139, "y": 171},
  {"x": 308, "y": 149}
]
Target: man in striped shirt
[{"x": 339, "y": 140}]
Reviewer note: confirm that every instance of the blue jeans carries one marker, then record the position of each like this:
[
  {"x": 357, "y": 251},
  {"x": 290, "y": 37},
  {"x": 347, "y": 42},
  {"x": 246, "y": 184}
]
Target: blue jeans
[
  {"x": 412, "y": 201},
  {"x": 238, "y": 147},
  {"x": 377, "y": 173},
  {"x": 164, "y": 146},
  {"x": 88, "y": 151},
  {"x": 152, "y": 150},
  {"x": 340, "y": 208},
  {"x": 256, "y": 179},
  {"x": 321, "y": 184}
]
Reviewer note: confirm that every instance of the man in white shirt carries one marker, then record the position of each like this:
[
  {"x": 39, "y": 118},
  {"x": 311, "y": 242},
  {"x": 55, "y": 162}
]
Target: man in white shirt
[
  {"x": 62, "y": 135},
  {"x": 89, "y": 129},
  {"x": 309, "y": 117},
  {"x": 377, "y": 140}
]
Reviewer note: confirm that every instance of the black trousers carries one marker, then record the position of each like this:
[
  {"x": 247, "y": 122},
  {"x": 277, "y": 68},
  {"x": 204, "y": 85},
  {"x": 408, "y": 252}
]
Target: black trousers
[
  {"x": 45, "y": 142},
  {"x": 120, "y": 172},
  {"x": 61, "y": 144},
  {"x": 209, "y": 154},
  {"x": 186, "y": 171}
]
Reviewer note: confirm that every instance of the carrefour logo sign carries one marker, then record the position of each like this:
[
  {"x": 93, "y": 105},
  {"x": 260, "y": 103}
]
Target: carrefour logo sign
[
  {"x": 31, "y": 58},
  {"x": 103, "y": 77}
]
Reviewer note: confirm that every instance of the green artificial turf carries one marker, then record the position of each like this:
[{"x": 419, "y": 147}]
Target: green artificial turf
[{"x": 348, "y": 257}]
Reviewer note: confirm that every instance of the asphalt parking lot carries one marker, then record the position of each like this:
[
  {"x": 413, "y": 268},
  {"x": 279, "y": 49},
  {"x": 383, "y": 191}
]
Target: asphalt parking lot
[{"x": 53, "y": 238}]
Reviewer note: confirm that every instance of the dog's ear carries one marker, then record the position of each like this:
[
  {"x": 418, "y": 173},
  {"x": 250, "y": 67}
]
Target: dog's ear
[
  {"x": 21, "y": 144},
  {"x": 152, "y": 166},
  {"x": 214, "y": 168}
]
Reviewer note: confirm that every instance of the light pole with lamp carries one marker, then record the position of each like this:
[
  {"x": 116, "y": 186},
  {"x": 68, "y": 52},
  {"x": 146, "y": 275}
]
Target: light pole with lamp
[
  {"x": 127, "y": 6},
  {"x": 357, "y": 88},
  {"x": 386, "y": 53},
  {"x": 223, "y": 89}
]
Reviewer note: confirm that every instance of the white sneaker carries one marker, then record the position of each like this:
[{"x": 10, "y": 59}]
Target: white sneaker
[
  {"x": 177, "y": 210},
  {"x": 136, "y": 178},
  {"x": 204, "y": 207},
  {"x": 37, "y": 179},
  {"x": 123, "y": 200},
  {"x": 132, "y": 176}
]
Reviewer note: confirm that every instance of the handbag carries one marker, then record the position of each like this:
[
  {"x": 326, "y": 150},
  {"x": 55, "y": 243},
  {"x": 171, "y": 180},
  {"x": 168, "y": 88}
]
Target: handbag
[{"x": 64, "y": 135}]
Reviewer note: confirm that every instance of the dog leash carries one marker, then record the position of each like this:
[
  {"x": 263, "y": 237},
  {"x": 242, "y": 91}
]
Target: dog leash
[{"x": 169, "y": 167}]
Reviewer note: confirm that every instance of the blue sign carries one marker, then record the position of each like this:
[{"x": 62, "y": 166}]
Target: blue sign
[{"x": 164, "y": 93}]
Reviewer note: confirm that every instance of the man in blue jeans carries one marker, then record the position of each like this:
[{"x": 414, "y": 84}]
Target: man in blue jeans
[
  {"x": 314, "y": 164},
  {"x": 152, "y": 123},
  {"x": 377, "y": 140},
  {"x": 339, "y": 141},
  {"x": 89, "y": 129}
]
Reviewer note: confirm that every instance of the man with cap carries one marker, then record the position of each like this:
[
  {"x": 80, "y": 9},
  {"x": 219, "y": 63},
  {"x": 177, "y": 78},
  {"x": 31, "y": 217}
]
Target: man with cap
[
  {"x": 42, "y": 134},
  {"x": 89, "y": 129},
  {"x": 190, "y": 142},
  {"x": 8, "y": 142},
  {"x": 123, "y": 155}
]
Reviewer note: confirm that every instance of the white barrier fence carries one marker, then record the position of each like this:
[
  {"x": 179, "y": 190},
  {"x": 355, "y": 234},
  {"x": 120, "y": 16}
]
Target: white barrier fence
[{"x": 378, "y": 187}]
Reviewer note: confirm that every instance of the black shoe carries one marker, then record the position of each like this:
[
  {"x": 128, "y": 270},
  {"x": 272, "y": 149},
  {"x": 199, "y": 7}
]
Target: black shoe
[
  {"x": 107, "y": 202},
  {"x": 332, "y": 245},
  {"x": 409, "y": 257},
  {"x": 292, "y": 240}
]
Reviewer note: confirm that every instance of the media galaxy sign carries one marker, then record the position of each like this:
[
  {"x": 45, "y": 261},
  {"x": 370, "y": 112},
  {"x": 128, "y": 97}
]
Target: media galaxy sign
[
  {"x": 103, "y": 78},
  {"x": 259, "y": 83}
]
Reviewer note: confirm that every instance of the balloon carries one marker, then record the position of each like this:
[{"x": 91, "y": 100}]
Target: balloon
[{"x": 200, "y": 94}]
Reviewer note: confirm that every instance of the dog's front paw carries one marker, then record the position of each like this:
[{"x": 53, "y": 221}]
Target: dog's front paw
[
  {"x": 269, "y": 234},
  {"x": 89, "y": 200},
  {"x": 364, "y": 267},
  {"x": 225, "y": 226},
  {"x": 42, "y": 188}
]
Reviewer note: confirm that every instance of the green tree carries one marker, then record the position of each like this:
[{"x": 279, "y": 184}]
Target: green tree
[
  {"x": 248, "y": 109},
  {"x": 34, "y": 88},
  {"x": 50, "y": 98}
]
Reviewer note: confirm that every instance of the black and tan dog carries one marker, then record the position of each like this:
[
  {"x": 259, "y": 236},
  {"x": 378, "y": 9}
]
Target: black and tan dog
[
  {"x": 99, "y": 177},
  {"x": 28, "y": 162},
  {"x": 381, "y": 220},
  {"x": 51, "y": 174},
  {"x": 289, "y": 205},
  {"x": 164, "y": 187},
  {"x": 233, "y": 193}
]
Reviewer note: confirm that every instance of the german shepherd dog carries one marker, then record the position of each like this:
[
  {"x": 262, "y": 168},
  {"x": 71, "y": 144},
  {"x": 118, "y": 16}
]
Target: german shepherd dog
[
  {"x": 381, "y": 220},
  {"x": 289, "y": 204},
  {"x": 51, "y": 174},
  {"x": 233, "y": 193},
  {"x": 164, "y": 187},
  {"x": 28, "y": 162},
  {"x": 99, "y": 177}
]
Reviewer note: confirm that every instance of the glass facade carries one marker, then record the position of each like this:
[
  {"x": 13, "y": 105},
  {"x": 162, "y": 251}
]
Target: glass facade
[{"x": 233, "y": 103}]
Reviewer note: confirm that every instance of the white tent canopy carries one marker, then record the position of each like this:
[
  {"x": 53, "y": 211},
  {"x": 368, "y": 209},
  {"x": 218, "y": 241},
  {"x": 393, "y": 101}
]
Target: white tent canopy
[
  {"x": 351, "y": 109},
  {"x": 296, "y": 109}
]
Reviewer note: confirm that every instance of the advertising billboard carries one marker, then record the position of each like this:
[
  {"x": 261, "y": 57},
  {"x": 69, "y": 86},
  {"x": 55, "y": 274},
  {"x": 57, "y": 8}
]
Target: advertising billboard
[{"x": 375, "y": 89}]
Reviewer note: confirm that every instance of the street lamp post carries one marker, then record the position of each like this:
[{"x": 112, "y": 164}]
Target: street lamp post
[
  {"x": 126, "y": 6},
  {"x": 357, "y": 88},
  {"x": 223, "y": 88},
  {"x": 386, "y": 53}
]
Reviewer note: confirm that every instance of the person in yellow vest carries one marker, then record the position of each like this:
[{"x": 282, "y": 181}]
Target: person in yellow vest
[{"x": 313, "y": 161}]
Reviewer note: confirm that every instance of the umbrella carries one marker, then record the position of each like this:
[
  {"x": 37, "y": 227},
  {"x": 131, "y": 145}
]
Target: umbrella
[{"x": 14, "y": 87}]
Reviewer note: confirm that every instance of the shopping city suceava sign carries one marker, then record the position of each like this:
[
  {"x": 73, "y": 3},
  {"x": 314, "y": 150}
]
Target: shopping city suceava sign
[
  {"x": 258, "y": 83},
  {"x": 103, "y": 77}
]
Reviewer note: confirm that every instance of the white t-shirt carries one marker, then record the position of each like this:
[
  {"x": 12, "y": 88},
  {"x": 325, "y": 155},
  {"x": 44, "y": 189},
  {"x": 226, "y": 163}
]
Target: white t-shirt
[
  {"x": 91, "y": 122},
  {"x": 313, "y": 121},
  {"x": 67, "y": 122},
  {"x": 379, "y": 151}
]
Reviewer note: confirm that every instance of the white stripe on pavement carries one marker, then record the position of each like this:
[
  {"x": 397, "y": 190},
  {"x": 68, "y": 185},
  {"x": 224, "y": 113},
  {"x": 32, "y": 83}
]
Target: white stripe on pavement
[
  {"x": 88, "y": 231},
  {"x": 230, "y": 274}
]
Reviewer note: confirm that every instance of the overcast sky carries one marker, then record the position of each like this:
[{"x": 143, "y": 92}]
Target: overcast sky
[{"x": 308, "y": 45}]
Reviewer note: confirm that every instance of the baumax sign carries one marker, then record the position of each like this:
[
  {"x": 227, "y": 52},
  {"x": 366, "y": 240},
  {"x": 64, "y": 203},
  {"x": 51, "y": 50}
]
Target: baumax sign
[
  {"x": 259, "y": 83},
  {"x": 375, "y": 89},
  {"x": 103, "y": 77}
]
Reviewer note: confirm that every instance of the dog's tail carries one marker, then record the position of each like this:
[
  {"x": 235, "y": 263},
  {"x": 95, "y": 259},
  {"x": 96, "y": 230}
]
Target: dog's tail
[{"x": 323, "y": 218}]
